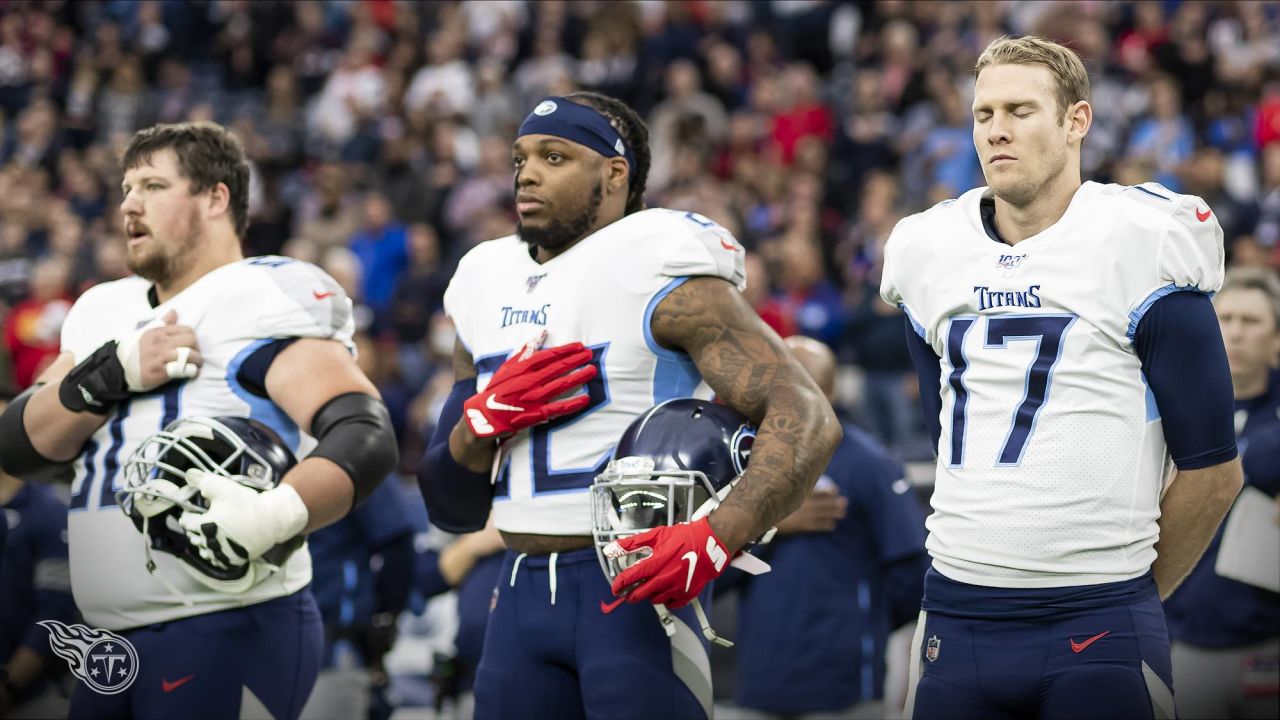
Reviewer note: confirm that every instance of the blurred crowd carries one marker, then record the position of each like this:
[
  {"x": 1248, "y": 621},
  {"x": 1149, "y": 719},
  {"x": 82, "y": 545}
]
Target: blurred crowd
[{"x": 379, "y": 133}]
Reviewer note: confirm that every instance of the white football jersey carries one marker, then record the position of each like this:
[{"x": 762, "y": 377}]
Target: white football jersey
[
  {"x": 234, "y": 310},
  {"x": 602, "y": 293},
  {"x": 1052, "y": 457}
]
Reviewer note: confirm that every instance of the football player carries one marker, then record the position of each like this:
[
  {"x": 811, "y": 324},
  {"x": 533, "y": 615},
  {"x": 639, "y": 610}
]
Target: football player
[
  {"x": 1067, "y": 350},
  {"x": 201, "y": 331},
  {"x": 1226, "y": 649},
  {"x": 634, "y": 306}
]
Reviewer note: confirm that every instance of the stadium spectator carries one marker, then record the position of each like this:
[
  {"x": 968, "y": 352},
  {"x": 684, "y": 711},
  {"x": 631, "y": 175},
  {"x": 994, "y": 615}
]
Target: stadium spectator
[{"x": 31, "y": 330}]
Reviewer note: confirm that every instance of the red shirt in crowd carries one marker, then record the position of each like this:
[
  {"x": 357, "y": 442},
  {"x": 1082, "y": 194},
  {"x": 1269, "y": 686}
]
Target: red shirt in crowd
[{"x": 32, "y": 333}]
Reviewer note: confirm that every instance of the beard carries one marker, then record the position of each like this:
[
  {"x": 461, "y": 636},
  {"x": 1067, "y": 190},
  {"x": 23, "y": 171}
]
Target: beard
[
  {"x": 161, "y": 263},
  {"x": 557, "y": 234},
  {"x": 1022, "y": 192}
]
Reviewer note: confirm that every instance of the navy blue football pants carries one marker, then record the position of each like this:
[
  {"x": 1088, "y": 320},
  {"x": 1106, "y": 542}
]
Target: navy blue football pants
[
  {"x": 197, "y": 667},
  {"x": 551, "y": 652},
  {"x": 1108, "y": 662}
]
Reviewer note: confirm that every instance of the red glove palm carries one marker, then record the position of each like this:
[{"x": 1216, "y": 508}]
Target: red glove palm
[
  {"x": 685, "y": 558},
  {"x": 519, "y": 393}
]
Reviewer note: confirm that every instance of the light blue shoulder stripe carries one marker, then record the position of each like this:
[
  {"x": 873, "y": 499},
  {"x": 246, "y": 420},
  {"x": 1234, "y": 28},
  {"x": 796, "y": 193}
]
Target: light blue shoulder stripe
[{"x": 914, "y": 325}]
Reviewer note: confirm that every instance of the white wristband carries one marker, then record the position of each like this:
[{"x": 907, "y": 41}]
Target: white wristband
[
  {"x": 285, "y": 511},
  {"x": 129, "y": 353}
]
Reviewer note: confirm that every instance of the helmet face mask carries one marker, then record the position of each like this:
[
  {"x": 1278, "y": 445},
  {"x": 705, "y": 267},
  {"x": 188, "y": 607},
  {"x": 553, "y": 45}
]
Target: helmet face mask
[
  {"x": 674, "y": 464},
  {"x": 154, "y": 492},
  {"x": 627, "y": 499}
]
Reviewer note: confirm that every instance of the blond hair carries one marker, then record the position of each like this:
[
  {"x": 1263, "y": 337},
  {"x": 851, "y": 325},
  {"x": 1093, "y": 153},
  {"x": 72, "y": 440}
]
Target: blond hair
[
  {"x": 1070, "y": 79},
  {"x": 1255, "y": 278}
]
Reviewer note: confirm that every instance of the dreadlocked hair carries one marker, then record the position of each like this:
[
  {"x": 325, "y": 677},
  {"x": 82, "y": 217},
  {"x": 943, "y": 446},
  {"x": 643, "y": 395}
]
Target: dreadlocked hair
[{"x": 634, "y": 133}]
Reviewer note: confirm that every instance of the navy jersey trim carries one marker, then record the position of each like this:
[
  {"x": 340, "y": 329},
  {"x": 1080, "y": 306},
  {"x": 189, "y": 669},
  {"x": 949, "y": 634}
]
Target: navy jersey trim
[
  {"x": 260, "y": 408},
  {"x": 253, "y": 371}
]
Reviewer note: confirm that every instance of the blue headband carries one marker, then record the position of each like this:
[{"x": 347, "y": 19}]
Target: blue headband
[{"x": 577, "y": 123}]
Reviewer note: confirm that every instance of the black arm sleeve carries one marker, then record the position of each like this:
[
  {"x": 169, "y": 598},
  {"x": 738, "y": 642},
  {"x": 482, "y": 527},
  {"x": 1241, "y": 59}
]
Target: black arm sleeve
[
  {"x": 929, "y": 373},
  {"x": 18, "y": 457},
  {"x": 1179, "y": 343},
  {"x": 457, "y": 499}
]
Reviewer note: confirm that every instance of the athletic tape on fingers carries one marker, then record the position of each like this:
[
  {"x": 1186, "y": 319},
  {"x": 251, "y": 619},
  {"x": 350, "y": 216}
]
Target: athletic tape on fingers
[{"x": 179, "y": 368}]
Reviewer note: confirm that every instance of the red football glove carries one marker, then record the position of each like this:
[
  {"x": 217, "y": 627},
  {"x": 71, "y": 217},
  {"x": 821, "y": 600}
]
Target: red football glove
[
  {"x": 685, "y": 558},
  {"x": 519, "y": 393}
]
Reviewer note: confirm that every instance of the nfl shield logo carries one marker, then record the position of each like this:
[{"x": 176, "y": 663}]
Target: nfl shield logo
[
  {"x": 533, "y": 281},
  {"x": 933, "y": 648}
]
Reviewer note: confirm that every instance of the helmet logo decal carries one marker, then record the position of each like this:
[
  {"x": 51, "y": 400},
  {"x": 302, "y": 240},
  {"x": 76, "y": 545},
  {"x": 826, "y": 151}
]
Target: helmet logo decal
[{"x": 740, "y": 447}]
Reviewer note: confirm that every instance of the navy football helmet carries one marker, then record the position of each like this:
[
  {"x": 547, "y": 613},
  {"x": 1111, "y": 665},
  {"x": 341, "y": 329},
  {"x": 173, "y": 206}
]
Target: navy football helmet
[
  {"x": 673, "y": 464},
  {"x": 155, "y": 492}
]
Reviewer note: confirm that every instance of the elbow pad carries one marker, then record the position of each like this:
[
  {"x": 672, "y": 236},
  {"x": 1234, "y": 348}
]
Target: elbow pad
[
  {"x": 354, "y": 431},
  {"x": 18, "y": 457}
]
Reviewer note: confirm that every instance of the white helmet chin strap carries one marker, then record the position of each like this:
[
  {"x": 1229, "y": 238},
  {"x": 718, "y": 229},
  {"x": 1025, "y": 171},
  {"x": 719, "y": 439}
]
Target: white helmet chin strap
[
  {"x": 155, "y": 570},
  {"x": 713, "y": 502},
  {"x": 668, "y": 623}
]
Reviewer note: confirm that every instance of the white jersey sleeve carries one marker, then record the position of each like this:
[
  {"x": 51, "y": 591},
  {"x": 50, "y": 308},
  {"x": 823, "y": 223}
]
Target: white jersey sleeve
[
  {"x": 899, "y": 285},
  {"x": 694, "y": 245},
  {"x": 1187, "y": 254},
  {"x": 298, "y": 299},
  {"x": 1192, "y": 254}
]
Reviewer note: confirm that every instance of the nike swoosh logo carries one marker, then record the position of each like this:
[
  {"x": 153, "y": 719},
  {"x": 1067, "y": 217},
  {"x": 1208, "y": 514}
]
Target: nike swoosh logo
[
  {"x": 607, "y": 608},
  {"x": 1203, "y": 216},
  {"x": 171, "y": 686},
  {"x": 322, "y": 295},
  {"x": 492, "y": 404},
  {"x": 692, "y": 558},
  {"x": 1079, "y": 647},
  {"x": 727, "y": 245}
]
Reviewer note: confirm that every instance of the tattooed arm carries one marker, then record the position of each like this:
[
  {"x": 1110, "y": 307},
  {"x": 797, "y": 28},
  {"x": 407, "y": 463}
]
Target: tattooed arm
[{"x": 752, "y": 371}]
